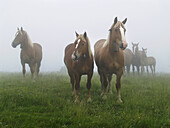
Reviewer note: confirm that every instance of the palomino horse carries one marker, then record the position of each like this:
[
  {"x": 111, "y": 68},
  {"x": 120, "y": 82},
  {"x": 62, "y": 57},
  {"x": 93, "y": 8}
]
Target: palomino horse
[
  {"x": 31, "y": 53},
  {"x": 109, "y": 56},
  {"x": 144, "y": 61},
  {"x": 128, "y": 59},
  {"x": 137, "y": 57},
  {"x": 79, "y": 61},
  {"x": 151, "y": 62}
]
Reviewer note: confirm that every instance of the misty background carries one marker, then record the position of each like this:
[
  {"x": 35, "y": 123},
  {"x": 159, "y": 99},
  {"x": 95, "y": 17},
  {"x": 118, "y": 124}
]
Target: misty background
[{"x": 53, "y": 23}]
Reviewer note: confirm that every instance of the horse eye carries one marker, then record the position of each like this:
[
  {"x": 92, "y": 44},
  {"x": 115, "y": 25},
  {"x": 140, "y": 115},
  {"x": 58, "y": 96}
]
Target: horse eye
[{"x": 82, "y": 44}]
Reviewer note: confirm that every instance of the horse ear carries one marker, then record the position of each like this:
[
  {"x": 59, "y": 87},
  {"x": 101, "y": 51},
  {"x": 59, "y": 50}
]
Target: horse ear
[
  {"x": 76, "y": 34},
  {"x": 21, "y": 29},
  {"x": 132, "y": 43},
  {"x": 143, "y": 49},
  {"x": 85, "y": 35},
  {"x": 124, "y": 21},
  {"x": 115, "y": 20},
  {"x": 17, "y": 28}
]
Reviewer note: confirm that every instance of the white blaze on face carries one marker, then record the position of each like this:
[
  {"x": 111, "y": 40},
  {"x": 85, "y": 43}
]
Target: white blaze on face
[
  {"x": 78, "y": 43},
  {"x": 122, "y": 33},
  {"x": 123, "y": 37}
]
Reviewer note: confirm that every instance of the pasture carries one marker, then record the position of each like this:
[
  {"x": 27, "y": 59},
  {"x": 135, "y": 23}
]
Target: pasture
[{"x": 48, "y": 103}]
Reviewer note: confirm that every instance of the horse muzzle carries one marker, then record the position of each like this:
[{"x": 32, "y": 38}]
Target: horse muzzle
[
  {"x": 14, "y": 46},
  {"x": 74, "y": 57},
  {"x": 123, "y": 45}
]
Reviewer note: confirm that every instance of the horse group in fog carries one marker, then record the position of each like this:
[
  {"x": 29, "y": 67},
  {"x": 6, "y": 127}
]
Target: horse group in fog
[
  {"x": 138, "y": 58},
  {"x": 110, "y": 55}
]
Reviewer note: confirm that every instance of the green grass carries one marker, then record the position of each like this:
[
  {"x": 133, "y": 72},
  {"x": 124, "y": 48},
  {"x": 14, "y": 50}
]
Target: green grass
[{"x": 48, "y": 103}]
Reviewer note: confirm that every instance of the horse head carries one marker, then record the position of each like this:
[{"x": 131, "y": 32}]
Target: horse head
[
  {"x": 135, "y": 46},
  {"x": 19, "y": 38},
  {"x": 81, "y": 46},
  {"x": 144, "y": 51},
  {"x": 117, "y": 34}
]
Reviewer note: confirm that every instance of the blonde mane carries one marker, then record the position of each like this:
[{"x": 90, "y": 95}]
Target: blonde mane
[
  {"x": 107, "y": 41},
  {"x": 28, "y": 39}
]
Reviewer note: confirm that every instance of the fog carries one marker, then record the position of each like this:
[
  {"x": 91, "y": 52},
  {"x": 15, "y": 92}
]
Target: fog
[{"x": 53, "y": 23}]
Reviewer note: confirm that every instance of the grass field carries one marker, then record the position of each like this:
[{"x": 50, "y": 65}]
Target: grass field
[{"x": 48, "y": 103}]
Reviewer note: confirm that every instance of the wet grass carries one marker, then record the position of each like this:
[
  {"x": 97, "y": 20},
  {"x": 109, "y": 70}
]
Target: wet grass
[{"x": 48, "y": 103}]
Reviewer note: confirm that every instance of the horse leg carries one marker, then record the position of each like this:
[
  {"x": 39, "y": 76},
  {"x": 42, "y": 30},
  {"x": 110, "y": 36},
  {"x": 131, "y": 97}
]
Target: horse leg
[
  {"x": 105, "y": 83},
  {"x": 38, "y": 68},
  {"x": 128, "y": 69},
  {"x": 32, "y": 68},
  {"x": 133, "y": 68},
  {"x": 147, "y": 69},
  {"x": 142, "y": 69},
  {"x": 77, "y": 87},
  {"x": 23, "y": 70},
  {"x": 154, "y": 68},
  {"x": 88, "y": 85},
  {"x": 137, "y": 69},
  {"x": 118, "y": 85},
  {"x": 151, "y": 69},
  {"x": 72, "y": 80},
  {"x": 110, "y": 86},
  {"x": 101, "y": 80}
]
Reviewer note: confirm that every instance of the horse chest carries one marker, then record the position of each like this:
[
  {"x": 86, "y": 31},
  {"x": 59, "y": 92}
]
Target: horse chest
[
  {"x": 82, "y": 67},
  {"x": 27, "y": 58}
]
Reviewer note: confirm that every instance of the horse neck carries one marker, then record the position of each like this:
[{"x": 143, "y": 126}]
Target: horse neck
[
  {"x": 27, "y": 42},
  {"x": 109, "y": 42}
]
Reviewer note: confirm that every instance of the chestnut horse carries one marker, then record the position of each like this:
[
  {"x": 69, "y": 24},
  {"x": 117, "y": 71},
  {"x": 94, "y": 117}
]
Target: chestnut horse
[
  {"x": 150, "y": 61},
  {"x": 137, "y": 57},
  {"x": 31, "y": 53},
  {"x": 109, "y": 56},
  {"x": 79, "y": 61}
]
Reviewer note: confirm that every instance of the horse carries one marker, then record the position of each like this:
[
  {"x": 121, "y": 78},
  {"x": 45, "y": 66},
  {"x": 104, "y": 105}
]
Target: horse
[
  {"x": 144, "y": 61},
  {"x": 109, "y": 56},
  {"x": 31, "y": 53},
  {"x": 78, "y": 59},
  {"x": 151, "y": 62},
  {"x": 137, "y": 57},
  {"x": 128, "y": 59}
]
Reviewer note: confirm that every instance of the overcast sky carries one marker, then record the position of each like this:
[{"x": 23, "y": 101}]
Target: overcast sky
[{"x": 53, "y": 23}]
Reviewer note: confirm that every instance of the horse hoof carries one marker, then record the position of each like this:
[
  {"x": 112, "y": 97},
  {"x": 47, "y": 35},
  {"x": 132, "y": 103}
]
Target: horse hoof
[
  {"x": 104, "y": 97},
  {"x": 89, "y": 100},
  {"x": 119, "y": 101},
  {"x": 76, "y": 101}
]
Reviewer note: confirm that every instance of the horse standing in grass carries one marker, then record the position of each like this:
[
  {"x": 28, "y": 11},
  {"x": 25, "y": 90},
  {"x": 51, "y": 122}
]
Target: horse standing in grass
[
  {"x": 79, "y": 61},
  {"x": 128, "y": 59},
  {"x": 31, "y": 53},
  {"x": 151, "y": 62},
  {"x": 109, "y": 56},
  {"x": 144, "y": 61},
  {"x": 137, "y": 57}
]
